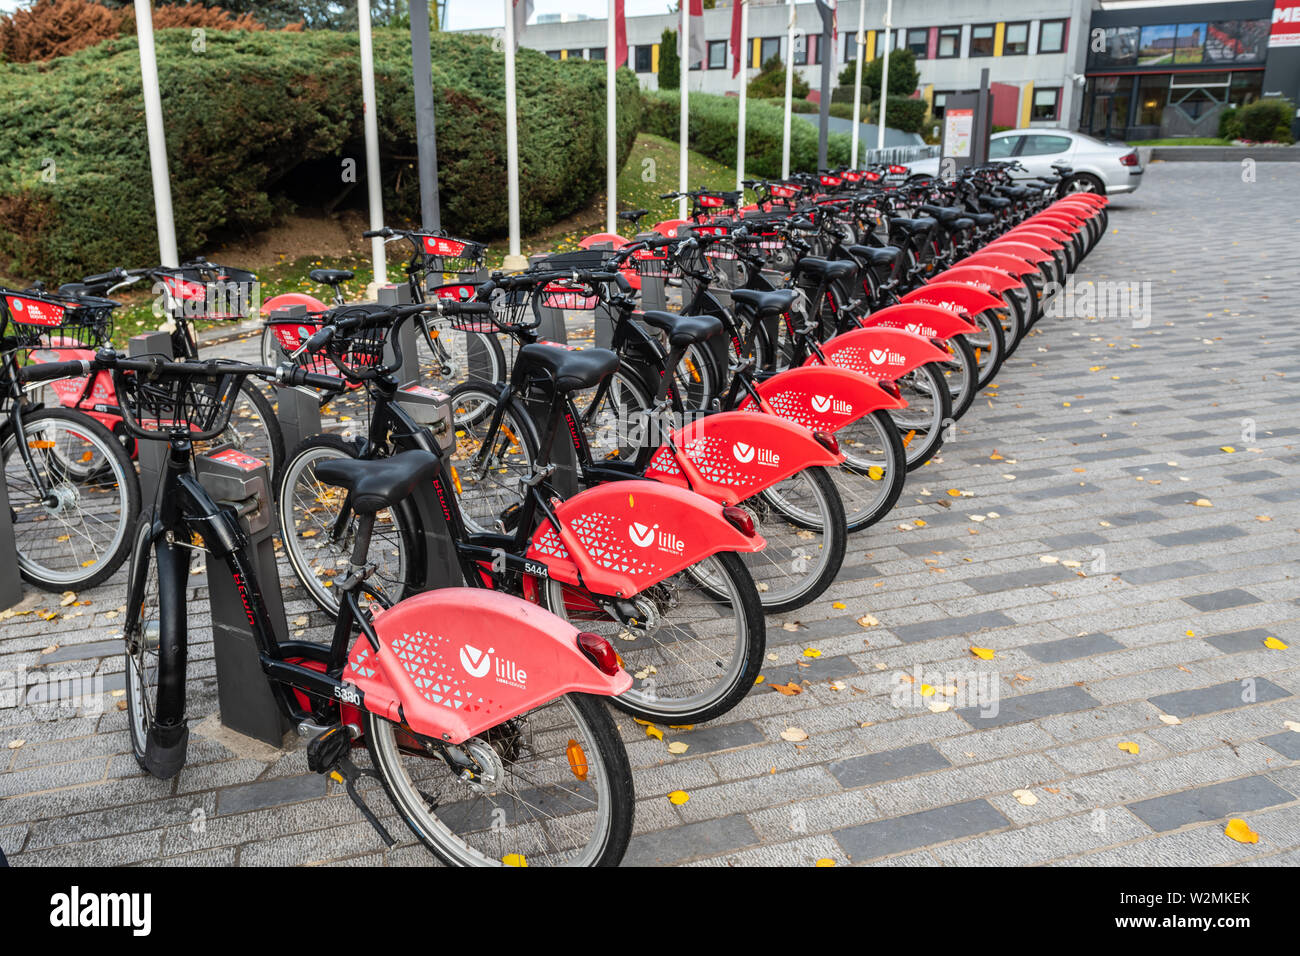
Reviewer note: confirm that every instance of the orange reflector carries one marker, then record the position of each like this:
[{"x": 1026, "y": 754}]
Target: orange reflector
[
  {"x": 977, "y": 354},
  {"x": 577, "y": 759},
  {"x": 40, "y": 445},
  {"x": 455, "y": 480},
  {"x": 690, "y": 366},
  {"x": 908, "y": 439},
  {"x": 87, "y": 455}
]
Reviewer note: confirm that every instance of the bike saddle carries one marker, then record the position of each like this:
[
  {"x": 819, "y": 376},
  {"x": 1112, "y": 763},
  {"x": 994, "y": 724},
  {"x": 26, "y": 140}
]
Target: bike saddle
[
  {"x": 683, "y": 330},
  {"x": 997, "y": 202},
  {"x": 874, "y": 255},
  {"x": 982, "y": 218},
  {"x": 632, "y": 215},
  {"x": 761, "y": 304},
  {"x": 919, "y": 224},
  {"x": 960, "y": 224},
  {"x": 1014, "y": 192},
  {"x": 826, "y": 268},
  {"x": 379, "y": 483},
  {"x": 944, "y": 214},
  {"x": 331, "y": 276},
  {"x": 571, "y": 371}
]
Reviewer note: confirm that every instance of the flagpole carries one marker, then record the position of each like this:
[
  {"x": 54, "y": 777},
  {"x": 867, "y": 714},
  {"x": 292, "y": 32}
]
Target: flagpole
[
  {"x": 857, "y": 81},
  {"x": 514, "y": 260},
  {"x": 684, "y": 52},
  {"x": 611, "y": 133},
  {"x": 153, "y": 122},
  {"x": 744, "y": 93},
  {"x": 789, "y": 93},
  {"x": 884, "y": 75},
  {"x": 373, "y": 185}
]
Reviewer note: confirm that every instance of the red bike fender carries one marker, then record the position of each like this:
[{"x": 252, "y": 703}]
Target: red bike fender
[
  {"x": 1010, "y": 264},
  {"x": 1067, "y": 224},
  {"x": 955, "y": 297},
  {"x": 596, "y": 238},
  {"x": 1024, "y": 250},
  {"x": 732, "y": 456},
  {"x": 1090, "y": 200},
  {"x": 625, "y": 536},
  {"x": 454, "y": 662},
  {"x": 880, "y": 353},
  {"x": 669, "y": 227},
  {"x": 927, "y": 321},
  {"x": 1043, "y": 237},
  {"x": 981, "y": 277},
  {"x": 286, "y": 299},
  {"x": 822, "y": 397}
]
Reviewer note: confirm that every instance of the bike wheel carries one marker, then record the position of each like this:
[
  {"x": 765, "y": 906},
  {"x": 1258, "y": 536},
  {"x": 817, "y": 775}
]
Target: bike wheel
[
  {"x": 696, "y": 379},
  {"x": 961, "y": 374},
  {"x": 254, "y": 429},
  {"x": 874, "y": 469},
  {"x": 927, "y": 415},
  {"x": 617, "y": 427},
  {"x": 318, "y": 536},
  {"x": 78, "y": 532},
  {"x": 449, "y": 356},
  {"x": 485, "y": 492},
  {"x": 989, "y": 345},
  {"x": 554, "y": 788},
  {"x": 802, "y": 520},
  {"x": 699, "y": 648}
]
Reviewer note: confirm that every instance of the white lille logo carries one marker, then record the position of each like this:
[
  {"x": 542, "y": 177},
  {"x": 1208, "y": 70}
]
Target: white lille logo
[
  {"x": 878, "y": 356},
  {"x": 475, "y": 662},
  {"x": 885, "y": 357},
  {"x": 641, "y": 535},
  {"x": 742, "y": 452},
  {"x": 821, "y": 403}
]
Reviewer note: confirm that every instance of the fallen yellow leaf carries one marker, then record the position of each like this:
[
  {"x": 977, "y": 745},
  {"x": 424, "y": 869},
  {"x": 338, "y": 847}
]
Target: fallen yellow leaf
[
  {"x": 811, "y": 652},
  {"x": 678, "y": 797},
  {"x": 652, "y": 731},
  {"x": 983, "y": 653},
  {"x": 794, "y": 734},
  {"x": 838, "y": 606},
  {"x": 1273, "y": 644},
  {"x": 677, "y": 747},
  {"x": 1128, "y": 747},
  {"x": 1239, "y": 830},
  {"x": 868, "y": 620},
  {"x": 824, "y": 861},
  {"x": 1025, "y": 797},
  {"x": 1227, "y": 448},
  {"x": 789, "y": 690}
]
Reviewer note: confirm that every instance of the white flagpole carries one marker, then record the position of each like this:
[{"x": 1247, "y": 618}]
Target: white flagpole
[
  {"x": 373, "y": 189},
  {"x": 514, "y": 260},
  {"x": 884, "y": 75},
  {"x": 744, "y": 92},
  {"x": 857, "y": 81},
  {"x": 683, "y": 176},
  {"x": 611, "y": 136},
  {"x": 789, "y": 93},
  {"x": 153, "y": 121}
]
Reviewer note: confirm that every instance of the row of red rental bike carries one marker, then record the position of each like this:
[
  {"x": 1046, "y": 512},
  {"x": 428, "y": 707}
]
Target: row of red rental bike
[{"x": 635, "y": 509}]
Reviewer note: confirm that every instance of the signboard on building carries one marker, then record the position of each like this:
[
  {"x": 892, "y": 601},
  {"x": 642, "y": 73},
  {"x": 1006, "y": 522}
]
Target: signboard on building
[{"x": 1286, "y": 24}]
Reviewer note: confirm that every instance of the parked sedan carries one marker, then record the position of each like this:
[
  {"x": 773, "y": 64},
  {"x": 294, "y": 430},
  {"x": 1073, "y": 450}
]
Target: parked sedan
[{"x": 1099, "y": 167}]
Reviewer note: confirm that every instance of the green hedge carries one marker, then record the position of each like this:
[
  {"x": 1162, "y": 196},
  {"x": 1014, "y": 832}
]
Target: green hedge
[
  {"x": 714, "y": 124},
  {"x": 243, "y": 115},
  {"x": 1266, "y": 121}
]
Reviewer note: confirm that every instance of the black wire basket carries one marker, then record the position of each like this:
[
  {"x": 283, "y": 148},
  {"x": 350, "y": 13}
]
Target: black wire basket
[
  {"x": 161, "y": 406},
  {"x": 655, "y": 264},
  {"x": 358, "y": 350},
  {"x": 457, "y": 292},
  {"x": 52, "y": 320},
  {"x": 450, "y": 255},
  {"x": 205, "y": 290}
]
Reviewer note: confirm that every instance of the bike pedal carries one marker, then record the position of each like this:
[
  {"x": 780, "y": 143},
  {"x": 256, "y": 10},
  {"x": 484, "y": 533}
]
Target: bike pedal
[{"x": 326, "y": 749}]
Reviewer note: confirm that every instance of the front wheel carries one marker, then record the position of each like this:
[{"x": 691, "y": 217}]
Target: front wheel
[
  {"x": 551, "y": 787},
  {"x": 696, "y": 646},
  {"x": 927, "y": 415},
  {"x": 874, "y": 470},
  {"x": 961, "y": 373}
]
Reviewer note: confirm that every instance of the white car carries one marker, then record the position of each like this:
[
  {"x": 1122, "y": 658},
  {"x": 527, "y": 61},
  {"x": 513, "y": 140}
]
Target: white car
[{"x": 1098, "y": 167}]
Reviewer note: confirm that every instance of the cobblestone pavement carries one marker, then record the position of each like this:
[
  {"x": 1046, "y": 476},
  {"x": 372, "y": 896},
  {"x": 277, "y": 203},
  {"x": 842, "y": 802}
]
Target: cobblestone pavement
[{"x": 1118, "y": 609}]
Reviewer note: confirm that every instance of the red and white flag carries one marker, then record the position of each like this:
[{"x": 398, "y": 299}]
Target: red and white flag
[
  {"x": 737, "y": 41},
  {"x": 620, "y": 34},
  {"x": 523, "y": 9}
]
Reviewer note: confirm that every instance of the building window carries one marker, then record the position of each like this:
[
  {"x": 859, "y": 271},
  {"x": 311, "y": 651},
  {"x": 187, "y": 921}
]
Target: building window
[
  {"x": 1015, "y": 41},
  {"x": 643, "y": 55},
  {"x": 801, "y": 49},
  {"x": 981, "y": 39},
  {"x": 1051, "y": 36},
  {"x": 575, "y": 54},
  {"x": 949, "y": 43},
  {"x": 596, "y": 53},
  {"x": 717, "y": 54},
  {"x": 553, "y": 54},
  {"x": 770, "y": 47},
  {"x": 939, "y": 100},
  {"x": 1047, "y": 104},
  {"x": 918, "y": 41}
]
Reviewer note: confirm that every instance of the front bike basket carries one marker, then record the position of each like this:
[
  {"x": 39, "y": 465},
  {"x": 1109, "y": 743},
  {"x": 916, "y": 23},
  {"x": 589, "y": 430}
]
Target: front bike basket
[
  {"x": 360, "y": 349},
  {"x": 53, "y": 320},
  {"x": 205, "y": 290},
  {"x": 445, "y": 254},
  {"x": 156, "y": 405}
]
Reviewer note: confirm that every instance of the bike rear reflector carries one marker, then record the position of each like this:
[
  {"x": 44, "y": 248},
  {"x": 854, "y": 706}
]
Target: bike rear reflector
[
  {"x": 891, "y": 388},
  {"x": 1129, "y": 159},
  {"x": 828, "y": 441},
  {"x": 599, "y": 652},
  {"x": 740, "y": 519},
  {"x": 577, "y": 759}
]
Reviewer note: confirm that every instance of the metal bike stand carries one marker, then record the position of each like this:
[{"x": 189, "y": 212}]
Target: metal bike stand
[
  {"x": 247, "y": 703},
  {"x": 478, "y": 357},
  {"x": 654, "y": 290},
  {"x": 11, "y": 582},
  {"x": 406, "y": 336},
  {"x": 432, "y": 409},
  {"x": 296, "y": 409},
  {"x": 151, "y": 456},
  {"x": 551, "y": 325}
]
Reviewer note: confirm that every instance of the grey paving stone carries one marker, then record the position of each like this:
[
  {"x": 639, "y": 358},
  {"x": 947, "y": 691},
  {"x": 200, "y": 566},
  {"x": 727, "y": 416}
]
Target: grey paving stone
[
  {"x": 1063, "y": 542},
  {"x": 270, "y": 793},
  {"x": 948, "y": 626},
  {"x": 1287, "y": 743},
  {"x": 1207, "y": 700},
  {"x": 707, "y": 838},
  {"x": 1072, "y": 647},
  {"x": 82, "y": 652},
  {"x": 887, "y": 765},
  {"x": 1210, "y": 803},
  {"x": 897, "y": 834},
  {"x": 1223, "y": 532},
  {"x": 1014, "y": 710},
  {"x": 1164, "y": 572},
  {"x": 822, "y": 668},
  {"x": 1238, "y": 641},
  {"x": 1220, "y": 600},
  {"x": 712, "y": 738},
  {"x": 1009, "y": 580},
  {"x": 1135, "y": 518},
  {"x": 940, "y": 545},
  {"x": 1259, "y": 474}
]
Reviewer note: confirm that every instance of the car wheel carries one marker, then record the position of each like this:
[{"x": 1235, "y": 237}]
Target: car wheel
[{"x": 1084, "y": 183}]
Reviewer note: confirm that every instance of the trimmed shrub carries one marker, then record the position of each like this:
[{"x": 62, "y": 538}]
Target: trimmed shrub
[
  {"x": 670, "y": 65},
  {"x": 1267, "y": 121},
  {"x": 714, "y": 123},
  {"x": 903, "y": 75},
  {"x": 770, "y": 82},
  {"x": 243, "y": 116},
  {"x": 1229, "y": 124}
]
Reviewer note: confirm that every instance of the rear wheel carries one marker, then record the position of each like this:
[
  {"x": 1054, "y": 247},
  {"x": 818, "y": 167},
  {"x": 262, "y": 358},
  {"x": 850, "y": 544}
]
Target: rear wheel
[
  {"x": 928, "y": 412},
  {"x": 487, "y": 490},
  {"x": 961, "y": 373},
  {"x": 696, "y": 648},
  {"x": 988, "y": 344},
  {"x": 874, "y": 469},
  {"x": 254, "y": 429},
  {"x": 449, "y": 356},
  {"x": 551, "y": 787}
]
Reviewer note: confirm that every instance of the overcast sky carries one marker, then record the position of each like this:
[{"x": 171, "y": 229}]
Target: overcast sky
[{"x": 465, "y": 14}]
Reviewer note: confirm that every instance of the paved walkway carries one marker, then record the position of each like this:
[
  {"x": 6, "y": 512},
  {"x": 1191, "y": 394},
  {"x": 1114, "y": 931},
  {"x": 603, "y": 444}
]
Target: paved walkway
[{"x": 1119, "y": 612}]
